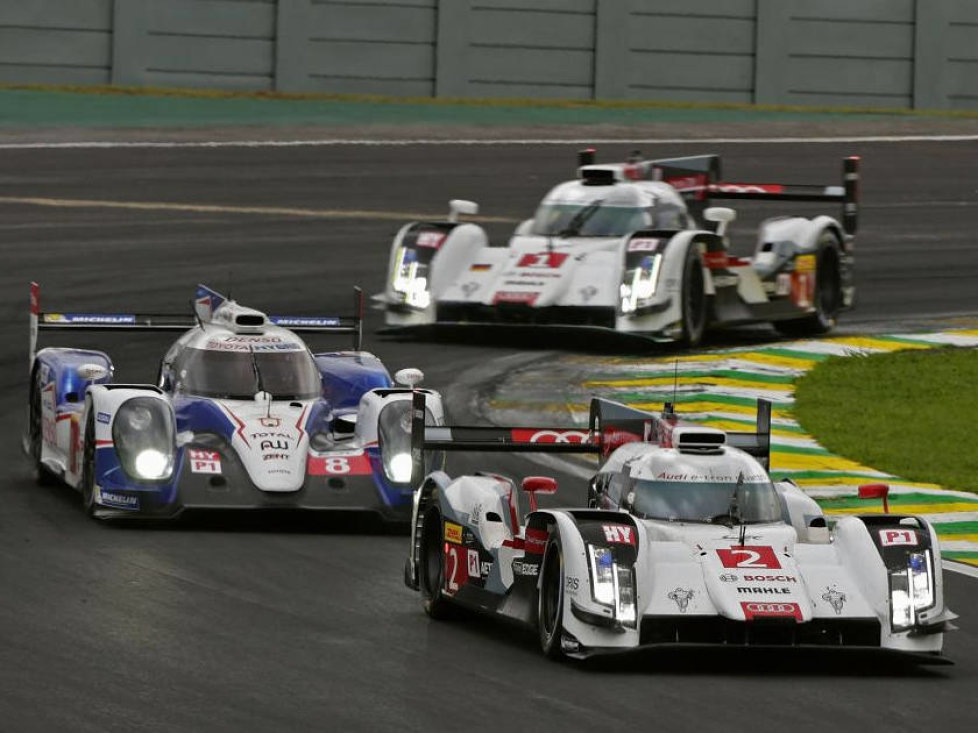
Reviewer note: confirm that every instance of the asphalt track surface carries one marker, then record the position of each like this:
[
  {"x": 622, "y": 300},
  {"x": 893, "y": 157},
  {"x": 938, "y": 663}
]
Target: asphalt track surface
[{"x": 265, "y": 624}]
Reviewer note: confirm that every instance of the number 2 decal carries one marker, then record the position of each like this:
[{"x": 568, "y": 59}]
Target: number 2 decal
[
  {"x": 456, "y": 569},
  {"x": 749, "y": 557}
]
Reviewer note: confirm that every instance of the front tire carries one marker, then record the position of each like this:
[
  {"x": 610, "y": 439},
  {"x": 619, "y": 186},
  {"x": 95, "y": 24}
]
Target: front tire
[
  {"x": 35, "y": 436},
  {"x": 431, "y": 570},
  {"x": 88, "y": 468},
  {"x": 693, "y": 295},
  {"x": 550, "y": 601}
]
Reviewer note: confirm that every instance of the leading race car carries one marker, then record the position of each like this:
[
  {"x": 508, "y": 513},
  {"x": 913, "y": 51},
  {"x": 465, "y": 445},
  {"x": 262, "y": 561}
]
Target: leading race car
[
  {"x": 243, "y": 416},
  {"x": 686, "y": 540},
  {"x": 621, "y": 248}
]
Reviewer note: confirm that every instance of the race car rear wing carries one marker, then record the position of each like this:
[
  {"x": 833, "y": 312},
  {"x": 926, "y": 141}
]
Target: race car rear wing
[
  {"x": 205, "y": 303},
  {"x": 610, "y": 425},
  {"x": 699, "y": 180}
]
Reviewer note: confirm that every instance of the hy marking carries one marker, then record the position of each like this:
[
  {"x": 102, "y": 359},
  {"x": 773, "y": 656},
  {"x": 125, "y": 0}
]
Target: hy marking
[
  {"x": 95, "y": 144},
  {"x": 259, "y": 210}
]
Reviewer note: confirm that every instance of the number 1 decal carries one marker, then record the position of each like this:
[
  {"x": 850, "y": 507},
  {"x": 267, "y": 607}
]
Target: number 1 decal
[{"x": 749, "y": 557}]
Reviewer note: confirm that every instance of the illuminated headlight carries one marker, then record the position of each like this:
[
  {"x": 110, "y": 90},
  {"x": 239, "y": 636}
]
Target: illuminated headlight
[
  {"x": 400, "y": 467},
  {"x": 144, "y": 439},
  {"x": 911, "y": 590},
  {"x": 410, "y": 279},
  {"x": 638, "y": 285},
  {"x": 612, "y": 585}
]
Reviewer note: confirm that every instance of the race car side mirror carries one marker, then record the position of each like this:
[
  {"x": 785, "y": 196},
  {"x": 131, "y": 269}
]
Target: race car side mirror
[
  {"x": 721, "y": 216},
  {"x": 461, "y": 206},
  {"x": 876, "y": 491},
  {"x": 534, "y": 485},
  {"x": 409, "y": 377}
]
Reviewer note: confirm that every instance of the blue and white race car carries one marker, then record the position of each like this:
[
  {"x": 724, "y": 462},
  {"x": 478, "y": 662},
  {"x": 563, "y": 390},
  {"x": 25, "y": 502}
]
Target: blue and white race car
[{"x": 243, "y": 416}]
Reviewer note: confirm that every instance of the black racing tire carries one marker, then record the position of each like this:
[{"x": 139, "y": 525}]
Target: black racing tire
[
  {"x": 34, "y": 436},
  {"x": 693, "y": 294},
  {"x": 828, "y": 293},
  {"x": 550, "y": 600},
  {"x": 88, "y": 468},
  {"x": 431, "y": 567}
]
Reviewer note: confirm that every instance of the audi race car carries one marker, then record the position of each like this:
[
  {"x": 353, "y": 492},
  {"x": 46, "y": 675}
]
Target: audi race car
[
  {"x": 686, "y": 540},
  {"x": 623, "y": 247},
  {"x": 243, "y": 416}
]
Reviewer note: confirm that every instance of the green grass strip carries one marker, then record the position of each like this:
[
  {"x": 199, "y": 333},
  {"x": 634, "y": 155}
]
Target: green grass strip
[
  {"x": 739, "y": 375},
  {"x": 953, "y": 528},
  {"x": 907, "y": 413},
  {"x": 960, "y": 555}
]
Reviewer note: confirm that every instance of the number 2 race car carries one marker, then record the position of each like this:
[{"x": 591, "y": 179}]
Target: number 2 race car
[
  {"x": 620, "y": 248},
  {"x": 685, "y": 541},
  {"x": 243, "y": 416}
]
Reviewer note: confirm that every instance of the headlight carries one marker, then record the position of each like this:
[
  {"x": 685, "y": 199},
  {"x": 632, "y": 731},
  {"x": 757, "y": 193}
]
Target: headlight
[
  {"x": 394, "y": 440},
  {"x": 911, "y": 590},
  {"x": 142, "y": 432},
  {"x": 639, "y": 284},
  {"x": 612, "y": 585},
  {"x": 410, "y": 279}
]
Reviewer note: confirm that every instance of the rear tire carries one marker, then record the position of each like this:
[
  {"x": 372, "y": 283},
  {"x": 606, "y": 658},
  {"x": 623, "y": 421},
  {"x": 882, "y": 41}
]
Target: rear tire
[
  {"x": 34, "y": 434},
  {"x": 693, "y": 298},
  {"x": 431, "y": 567},
  {"x": 828, "y": 294},
  {"x": 550, "y": 601}
]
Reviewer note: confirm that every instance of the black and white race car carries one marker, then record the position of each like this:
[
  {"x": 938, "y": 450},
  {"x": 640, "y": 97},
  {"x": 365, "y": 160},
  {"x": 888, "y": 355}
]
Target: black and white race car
[
  {"x": 686, "y": 540},
  {"x": 623, "y": 247}
]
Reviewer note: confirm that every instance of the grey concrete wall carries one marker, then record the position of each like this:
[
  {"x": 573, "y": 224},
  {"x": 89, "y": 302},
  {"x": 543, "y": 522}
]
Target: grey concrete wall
[{"x": 881, "y": 53}]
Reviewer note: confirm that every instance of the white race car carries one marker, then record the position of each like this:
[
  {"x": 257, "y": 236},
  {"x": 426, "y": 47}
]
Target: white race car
[
  {"x": 685, "y": 541},
  {"x": 621, "y": 248}
]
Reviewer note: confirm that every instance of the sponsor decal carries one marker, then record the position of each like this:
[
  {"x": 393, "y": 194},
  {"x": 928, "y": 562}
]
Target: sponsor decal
[
  {"x": 480, "y": 267},
  {"x": 525, "y": 569},
  {"x": 753, "y": 556},
  {"x": 619, "y": 534},
  {"x": 91, "y": 371},
  {"x": 456, "y": 567},
  {"x": 204, "y": 461},
  {"x": 689, "y": 183},
  {"x": 535, "y": 542},
  {"x": 351, "y": 465},
  {"x": 108, "y": 319},
  {"x": 782, "y": 285},
  {"x": 805, "y": 263},
  {"x": 543, "y": 259},
  {"x": 890, "y": 537},
  {"x": 763, "y": 590},
  {"x": 214, "y": 345},
  {"x": 572, "y": 584},
  {"x": 531, "y": 435},
  {"x": 433, "y": 240},
  {"x": 453, "y": 533},
  {"x": 729, "y": 578},
  {"x": 304, "y": 321},
  {"x": 274, "y": 445},
  {"x": 103, "y": 417},
  {"x": 515, "y": 296},
  {"x": 643, "y": 245},
  {"x": 771, "y": 578},
  {"x": 270, "y": 422},
  {"x": 682, "y": 597},
  {"x": 835, "y": 598},
  {"x": 721, "y": 260},
  {"x": 118, "y": 501},
  {"x": 474, "y": 568},
  {"x": 746, "y": 188},
  {"x": 760, "y": 609}
]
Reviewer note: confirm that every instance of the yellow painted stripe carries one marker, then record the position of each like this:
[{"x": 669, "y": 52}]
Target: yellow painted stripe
[
  {"x": 776, "y": 360},
  {"x": 705, "y": 406},
  {"x": 731, "y": 426},
  {"x": 713, "y": 381},
  {"x": 972, "y": 537},
  {"x": 859, "y": 480},
  {"x": 880, "y": 344},
  {"x": 967, "y": 560},
  {"x": 936, "y": 508},
  {"x": 805, "y": 462}
]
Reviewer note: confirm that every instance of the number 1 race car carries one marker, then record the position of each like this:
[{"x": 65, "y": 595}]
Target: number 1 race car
[
  {"x": 243, "y": 416},
  {"x": 685, "y": 541},
  {"x": 620, "y": 248}
]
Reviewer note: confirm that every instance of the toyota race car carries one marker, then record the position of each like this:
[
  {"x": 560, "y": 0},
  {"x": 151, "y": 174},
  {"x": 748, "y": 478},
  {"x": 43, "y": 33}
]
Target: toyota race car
[
  {"x": 243, "y": 416},
  {"x": 621, "y": 248},
  {"x": 686, "y": 540}
]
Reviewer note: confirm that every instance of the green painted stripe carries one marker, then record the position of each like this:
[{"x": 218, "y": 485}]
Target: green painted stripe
[
  {"x": 829, "y": 474},
  {"x": 959, "y": 555},
  {"x": 843, "y": 502},
  {"x": 799, "y": 451},
  {"x": 750, "y": 424},
  {"x": 740, "y": 375},
  {"x": 792, "y": 353},
  {"x": 683, "y": 398},
  {"x": 953, "y": 528}
]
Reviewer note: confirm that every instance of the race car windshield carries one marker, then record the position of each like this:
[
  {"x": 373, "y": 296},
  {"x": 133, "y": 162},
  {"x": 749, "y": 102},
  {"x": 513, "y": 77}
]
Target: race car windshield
[
  {"x": 602, "y": 221},
  {"x": 286, "y": 375},
  {"x": 716, "y": 503}
]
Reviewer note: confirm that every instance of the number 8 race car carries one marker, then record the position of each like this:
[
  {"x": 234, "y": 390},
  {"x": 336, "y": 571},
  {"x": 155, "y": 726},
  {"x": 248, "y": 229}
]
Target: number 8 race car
[
  {"x": 620, "y": 248},
  {"x": 685, "y": 541},
  {"x": 243, "y": 416}
]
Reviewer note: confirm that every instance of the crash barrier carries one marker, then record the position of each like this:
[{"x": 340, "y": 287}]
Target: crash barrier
[{"x": 895, "y": 54}]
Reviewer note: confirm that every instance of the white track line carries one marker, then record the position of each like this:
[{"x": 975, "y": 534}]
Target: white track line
[
  {"x": 960, "y": 567},
  {"x": 95, "y": 144}
]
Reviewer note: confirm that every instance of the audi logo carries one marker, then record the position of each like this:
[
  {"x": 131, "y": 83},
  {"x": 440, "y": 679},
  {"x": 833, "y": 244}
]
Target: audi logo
[
  {"x": 770, "y": 607},
  {"x": 558, "y": 436}
]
